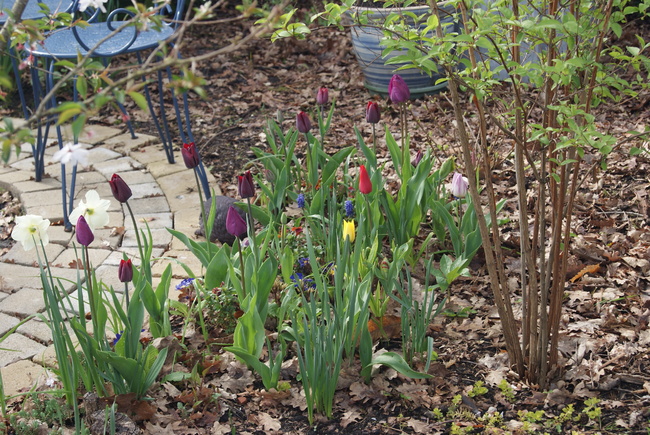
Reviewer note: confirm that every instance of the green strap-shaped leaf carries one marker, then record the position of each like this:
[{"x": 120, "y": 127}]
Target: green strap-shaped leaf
[{"x": 396, "y": 362}]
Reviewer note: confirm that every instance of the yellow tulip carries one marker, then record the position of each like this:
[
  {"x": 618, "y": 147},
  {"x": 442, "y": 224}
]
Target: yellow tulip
[{"x": 348, "y": 230}]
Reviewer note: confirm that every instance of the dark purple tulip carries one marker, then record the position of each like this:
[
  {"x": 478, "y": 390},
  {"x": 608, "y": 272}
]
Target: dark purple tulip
[
  {"x": 190, "y": 155},
  {"x": 235, "y": 224},
  {"x": 245, "y": 185},
  {"x": 85, "y": 235},
  {"x": 323, "y": 96},
  {"x": 121, "y": 190},
  {"x": 372, "y": 112},
  {"x": 303, "y": 124},
  {"x": 417, "y": 158},
  {"x": 398, "y": 90},
  {"x": 125, "y": 271}
]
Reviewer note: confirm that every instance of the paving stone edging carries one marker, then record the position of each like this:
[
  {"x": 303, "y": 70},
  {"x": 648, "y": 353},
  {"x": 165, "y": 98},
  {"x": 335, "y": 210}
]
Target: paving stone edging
[{"x": 164, "y": 194}]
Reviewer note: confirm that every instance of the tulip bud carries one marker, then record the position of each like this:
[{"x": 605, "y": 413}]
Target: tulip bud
[
  {"x": 303, "y": 124},
  {"x": 84, "y": 233},
  {"x": 365, "y": 185},
  {"x": 245, "y": 185},
  {"x": 348, "y": 230},
  {"x": 121, "y": 190},
  {"x": 417, "y": 158},
  {"x": 235, "y": 224},
  {"x": 125, "y": 270},
  {"x": 398, "y": 90},
  {"x": 323, "y": 97},
  {"x": 372, "y": 112},
  {"x": 190, "y": 155},
  {"x": 459, "y": 185},
  {"x": 270, "y": 175}
]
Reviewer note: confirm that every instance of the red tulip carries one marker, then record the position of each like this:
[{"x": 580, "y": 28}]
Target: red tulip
[
  {"x": 303, "y": 124},
  {"x": 235, "y": 224},
  {"x": 190, "y": 155},
  {"x": 323, "y": 97},
  {"x": 365, "y": 185},
  {"x": 398, "y": 90},
  {"x": 85, "y": 235},
  {"x": 372, "y": 112},
  {"x": 121, "y": 190},
  {"x": 245, "y": 185},
  {"x": 125, "y": 270}
]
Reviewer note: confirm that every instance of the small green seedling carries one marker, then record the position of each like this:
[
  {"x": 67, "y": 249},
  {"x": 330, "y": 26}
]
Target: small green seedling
[{"x": 478, "y": 390}]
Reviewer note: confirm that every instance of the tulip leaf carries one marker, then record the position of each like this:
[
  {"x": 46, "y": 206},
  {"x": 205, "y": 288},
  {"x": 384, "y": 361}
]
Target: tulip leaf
[
  {"x": 397, "y": 363},
  {"x": 217, "y": 270},
  {"x": 329, "y": 172}
]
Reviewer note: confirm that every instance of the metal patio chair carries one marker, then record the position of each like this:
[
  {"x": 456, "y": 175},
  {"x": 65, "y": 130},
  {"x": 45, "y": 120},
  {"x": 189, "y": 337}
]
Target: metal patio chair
[
  {"x": 33, "y": 11},
  {"x": 104, "y": 37}
]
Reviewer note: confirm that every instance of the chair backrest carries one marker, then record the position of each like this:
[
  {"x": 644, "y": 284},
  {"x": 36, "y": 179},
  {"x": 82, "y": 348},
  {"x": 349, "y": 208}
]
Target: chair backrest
[
  {"x": 33, "y": 10},
  {"x": 105, "y": 22}
]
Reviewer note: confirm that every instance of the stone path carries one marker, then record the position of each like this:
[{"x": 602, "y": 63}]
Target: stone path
[{"x": 164, "y": 194}]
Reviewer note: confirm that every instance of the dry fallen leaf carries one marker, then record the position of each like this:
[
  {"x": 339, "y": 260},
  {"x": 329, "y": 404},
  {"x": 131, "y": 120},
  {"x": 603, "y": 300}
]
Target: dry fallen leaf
[
  {"x": 270, "y": 424},
  {"x": 350, "y": 416},
  {"x": 594, "y": 268}
]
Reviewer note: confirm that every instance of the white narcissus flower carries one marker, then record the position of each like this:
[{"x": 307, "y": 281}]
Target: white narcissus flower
[
  {"x": 29, "y": 230},
  {"x": 98, "y": 4},
  {"x": 95, "y": 210},
  {"x": 459, "y": 185},
  {"x": 73, "y": 154}
]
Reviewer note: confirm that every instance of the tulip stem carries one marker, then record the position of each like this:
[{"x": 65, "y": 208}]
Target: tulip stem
[
  {"x": 405, "y": 152},
  {"x": 89, "y": 288},
  {"x": 206, "y": 230},
  {"x": 243, "y": 272},
  {"x": 369, "y": 212},
  {"x": 126, "y": 294},
  {"x": 251, "y": 230},
  {"x": 374, "y": 139},
  {"x": 459, "y": 214},
  {"x": 309, "y": 165},
  {"x": 145, "y": 266}
]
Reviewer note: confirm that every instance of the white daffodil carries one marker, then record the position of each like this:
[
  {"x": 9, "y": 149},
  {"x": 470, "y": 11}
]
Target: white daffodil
[
  {"x": 97, "y": 4},
  {"x": 73, "y": 154},
  {"x": 29, "y": 230},
  {"x": 95, "y": 210}
]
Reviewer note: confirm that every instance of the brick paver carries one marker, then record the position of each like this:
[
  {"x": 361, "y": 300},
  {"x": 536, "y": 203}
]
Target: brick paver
[{"x": 164, "y": 196}]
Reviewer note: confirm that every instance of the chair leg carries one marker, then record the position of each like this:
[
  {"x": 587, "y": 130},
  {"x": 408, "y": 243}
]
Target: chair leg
[
  {"x": 125, "y": 114},
  {"x": 19, "y": 85},
  {"x": 67, "y": 196},
  {"x": 185, "y": 130},
  {"x": 43, "y": 125},
  {"x": 165, "y": 139}
]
